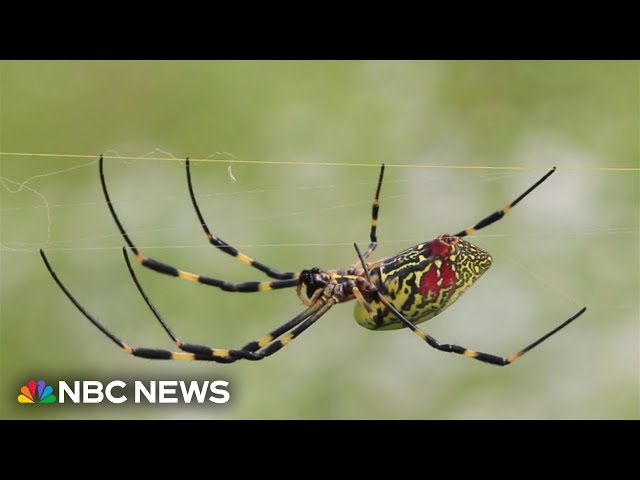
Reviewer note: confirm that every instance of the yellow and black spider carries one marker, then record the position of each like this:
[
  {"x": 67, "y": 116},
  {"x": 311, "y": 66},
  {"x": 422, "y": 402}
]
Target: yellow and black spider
[{"x": 395, "y": 292}]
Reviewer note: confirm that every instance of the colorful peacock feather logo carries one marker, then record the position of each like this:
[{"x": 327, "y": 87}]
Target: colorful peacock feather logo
[{"x": 28, "y": 393}]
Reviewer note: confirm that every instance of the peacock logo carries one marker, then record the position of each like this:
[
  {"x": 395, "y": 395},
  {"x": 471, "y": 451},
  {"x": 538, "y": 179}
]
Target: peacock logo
[{"x": 44, "y": 393}]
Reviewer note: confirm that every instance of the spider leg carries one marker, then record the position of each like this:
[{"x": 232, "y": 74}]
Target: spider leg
[
  {"x": 228, "y": 249},
  {"x": 498, "y": 214},
  {"x": 175, "y": 272},
  {"x": 317, "y": 311},
  {"x": 373, "y": 237},
  {"x": 483, "y": 357},
  {"x": 256, "y": 350}
]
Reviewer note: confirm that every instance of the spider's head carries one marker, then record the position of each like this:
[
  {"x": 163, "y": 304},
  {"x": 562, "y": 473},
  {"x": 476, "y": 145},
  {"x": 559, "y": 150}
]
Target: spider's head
[{"x": 314, "y": 279}]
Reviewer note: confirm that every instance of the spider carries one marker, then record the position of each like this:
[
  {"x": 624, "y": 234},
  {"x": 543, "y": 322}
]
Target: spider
[{"x": 399, "y": 291}]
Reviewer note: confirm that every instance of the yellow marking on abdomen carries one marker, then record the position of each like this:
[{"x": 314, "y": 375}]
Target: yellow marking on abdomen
[
  {"x": 188, "y": 276},
  {"x": 471, "y": 231},
  {"x": 220, "y": 352},
  {"x": 374, "y": 222},
  {"x": 183, "y": 356},
  {"x": 244, "y": 258},
  {"x": 286, "y": 339},
  {"x": 506, "y": 209},
  {"x": 266, "y": 340},
  {"x": 127, "y": 348},
  {"x": 140, "y": 257},
  {"x": 265, "y": 287},
  {"x": 470, "y": 353}
]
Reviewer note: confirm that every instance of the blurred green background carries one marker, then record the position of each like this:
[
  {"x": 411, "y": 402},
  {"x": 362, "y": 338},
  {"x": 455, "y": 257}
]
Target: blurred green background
[{"x": 573, "y": 243}]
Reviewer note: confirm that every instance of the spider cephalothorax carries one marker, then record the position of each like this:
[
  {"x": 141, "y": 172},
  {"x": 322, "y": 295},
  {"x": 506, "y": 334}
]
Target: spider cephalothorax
[
  {"x": 312, "y": 280},
  {"x": 340, "y": 285},
  {"x": 399, "y": 291}
]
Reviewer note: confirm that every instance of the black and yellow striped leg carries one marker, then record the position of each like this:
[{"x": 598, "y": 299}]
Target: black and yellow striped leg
[
  {"x": 262, "y": 342},
  {"x": 268, "y": 344},
  {"x": 228, "y": 249},
  {"x": 483, "y": 357},
  {"x": 373, "y": 235},
  {"x": 244, "y": 287},
  {"x": 497, "y": 215},
  {"x": 314, "y": 313},
  {"x": 175, "y": 272},
  {"x": 253, "y": 351}
]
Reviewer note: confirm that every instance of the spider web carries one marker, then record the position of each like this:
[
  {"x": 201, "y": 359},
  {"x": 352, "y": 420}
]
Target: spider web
[
  {"x": 33, "y": 206},
  {"x": 23, "y": 195}
]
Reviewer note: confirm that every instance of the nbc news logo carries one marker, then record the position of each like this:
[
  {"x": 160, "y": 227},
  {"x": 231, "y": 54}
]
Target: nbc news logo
[{"x": 117, "y": 391}]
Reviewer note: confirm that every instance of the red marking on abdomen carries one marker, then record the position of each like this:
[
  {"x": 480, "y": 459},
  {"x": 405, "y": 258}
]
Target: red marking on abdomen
[
  {"x": 438, "y": 248},
  {"x": 429, "y": 282},
  {"x": 445, "y": 278},
  {"x": 449, "y": 276}
]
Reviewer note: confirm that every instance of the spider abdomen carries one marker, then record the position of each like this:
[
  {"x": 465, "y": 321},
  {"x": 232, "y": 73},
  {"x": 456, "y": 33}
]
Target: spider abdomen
[{"x": 423, "y": 280}]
